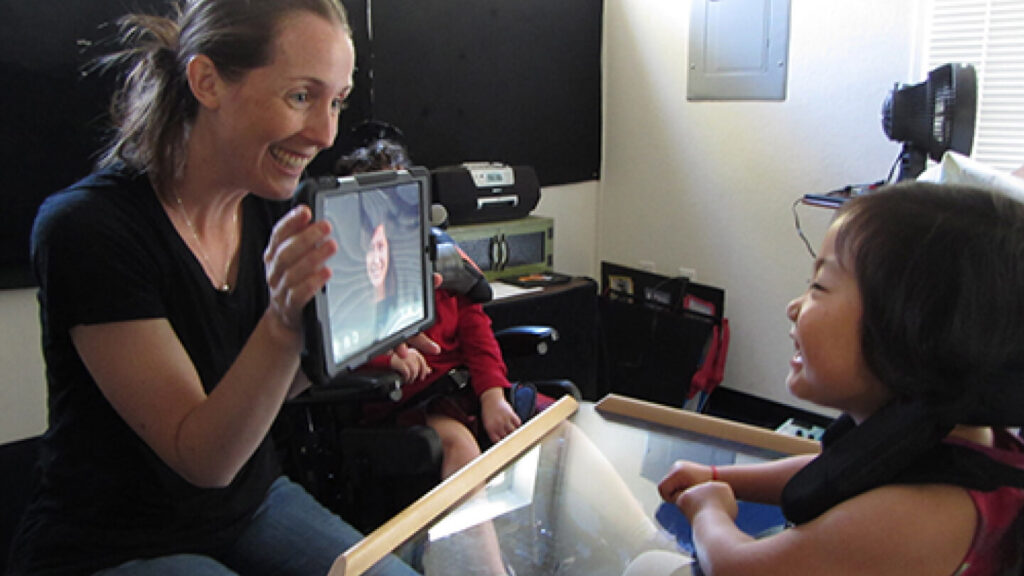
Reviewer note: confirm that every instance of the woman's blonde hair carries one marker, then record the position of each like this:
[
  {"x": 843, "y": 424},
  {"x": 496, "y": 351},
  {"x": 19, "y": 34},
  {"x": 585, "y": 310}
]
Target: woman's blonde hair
[{"x": 153, "y": 110}]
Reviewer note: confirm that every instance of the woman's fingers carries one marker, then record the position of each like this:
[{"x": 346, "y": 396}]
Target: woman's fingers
[{"x": 296, "y": 259}]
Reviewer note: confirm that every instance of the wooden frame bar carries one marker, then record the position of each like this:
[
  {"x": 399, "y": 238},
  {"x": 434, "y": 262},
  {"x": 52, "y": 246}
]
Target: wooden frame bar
[
  {"x": 407, "y": 523},
  {"x": 707, "y": 425}
]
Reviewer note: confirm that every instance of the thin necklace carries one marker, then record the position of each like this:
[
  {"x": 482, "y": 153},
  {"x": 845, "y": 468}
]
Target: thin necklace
[{"x": 222, "y": 286}]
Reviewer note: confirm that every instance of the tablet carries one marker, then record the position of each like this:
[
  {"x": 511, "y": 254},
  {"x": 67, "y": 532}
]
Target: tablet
[{"x": 381, "y": 290}]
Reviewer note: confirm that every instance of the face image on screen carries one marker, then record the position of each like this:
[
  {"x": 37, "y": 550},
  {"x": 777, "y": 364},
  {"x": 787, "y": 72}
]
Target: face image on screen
[{"x": 376, "y": 293}]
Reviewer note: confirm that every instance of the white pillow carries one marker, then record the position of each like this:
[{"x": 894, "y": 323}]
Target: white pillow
[{"x": 955, "y": 168}]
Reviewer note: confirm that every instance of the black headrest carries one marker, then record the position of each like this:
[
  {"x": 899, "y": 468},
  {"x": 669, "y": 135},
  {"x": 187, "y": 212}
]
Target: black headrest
[{"x": 458, "y": 273}]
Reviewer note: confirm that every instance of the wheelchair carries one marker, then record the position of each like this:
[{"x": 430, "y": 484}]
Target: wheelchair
[{"x": 368, "y": 474}]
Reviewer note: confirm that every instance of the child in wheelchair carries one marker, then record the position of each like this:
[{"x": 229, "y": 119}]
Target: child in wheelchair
[{"x": 465, "y": 414}]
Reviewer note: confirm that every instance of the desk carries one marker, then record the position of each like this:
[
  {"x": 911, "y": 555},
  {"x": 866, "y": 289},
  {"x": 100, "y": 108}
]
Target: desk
[
  {"x": 578, "y": 496},
  {"x": 569, "y": 308}
]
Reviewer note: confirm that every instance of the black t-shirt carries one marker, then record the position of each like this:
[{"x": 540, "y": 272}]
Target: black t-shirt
[{"x": 105, "y": 251}]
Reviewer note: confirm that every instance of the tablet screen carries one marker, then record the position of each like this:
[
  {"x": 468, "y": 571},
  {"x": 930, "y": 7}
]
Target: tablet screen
[{"x": 381, "y": 289}]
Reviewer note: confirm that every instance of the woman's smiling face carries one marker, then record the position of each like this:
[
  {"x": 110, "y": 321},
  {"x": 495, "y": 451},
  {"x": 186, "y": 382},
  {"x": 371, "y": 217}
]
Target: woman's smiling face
[
  {"x": 377, "y": 258},
  {"x": 828, "y": 366},
  {"x": 273, "y": 122}
]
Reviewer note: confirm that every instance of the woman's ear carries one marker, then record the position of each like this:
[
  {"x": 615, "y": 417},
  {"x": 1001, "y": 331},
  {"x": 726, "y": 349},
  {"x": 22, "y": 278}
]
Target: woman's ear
[{"x": 204, "y": 81}]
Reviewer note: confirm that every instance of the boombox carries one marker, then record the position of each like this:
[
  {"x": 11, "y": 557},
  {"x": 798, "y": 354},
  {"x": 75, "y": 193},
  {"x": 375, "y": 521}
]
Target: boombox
[{"x": 485, "y": 192}]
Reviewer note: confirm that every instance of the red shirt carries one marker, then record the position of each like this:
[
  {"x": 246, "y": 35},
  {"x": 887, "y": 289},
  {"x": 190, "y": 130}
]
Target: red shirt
[
  {"x": 996, "y": 549},
  {"x": 463, "y": 331}
]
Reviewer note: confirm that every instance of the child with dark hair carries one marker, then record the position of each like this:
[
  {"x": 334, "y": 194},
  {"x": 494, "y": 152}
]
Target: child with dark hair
[
  {"x": 912, "y": 328},
  {"x": 463, "y": 330},
  {"x": 377, "y": 155}
]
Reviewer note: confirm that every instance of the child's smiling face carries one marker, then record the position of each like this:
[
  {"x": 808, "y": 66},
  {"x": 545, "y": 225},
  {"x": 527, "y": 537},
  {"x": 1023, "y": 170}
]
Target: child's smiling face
[{"x": 828, "y": 367}]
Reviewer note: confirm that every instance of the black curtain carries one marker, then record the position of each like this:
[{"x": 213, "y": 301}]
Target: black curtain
[{"x": 513, "y": 81}]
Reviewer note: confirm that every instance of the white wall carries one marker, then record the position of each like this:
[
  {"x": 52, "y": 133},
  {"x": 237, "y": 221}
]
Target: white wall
[
  {"x": 22, "y": 380},
  {"x": 574, "y": 208},
  {"x": 706, "y": 185},
  {"x": 709, "y": 185}
]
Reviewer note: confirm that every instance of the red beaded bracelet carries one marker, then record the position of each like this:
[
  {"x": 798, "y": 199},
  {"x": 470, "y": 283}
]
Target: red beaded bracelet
[{"x": 714, "y": 473}]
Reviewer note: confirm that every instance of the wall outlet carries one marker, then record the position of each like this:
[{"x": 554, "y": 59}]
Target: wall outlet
[
  {"x": 646, "y": 265},
  {"x": 690, "y": 273}
]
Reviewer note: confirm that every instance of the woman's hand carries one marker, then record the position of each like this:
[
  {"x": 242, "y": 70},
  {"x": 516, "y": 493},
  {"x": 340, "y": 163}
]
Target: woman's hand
[
  {"x": 296, "y": 264},
  {"x": 682, "y": 476},
  {"x": 499, "y": 418}
]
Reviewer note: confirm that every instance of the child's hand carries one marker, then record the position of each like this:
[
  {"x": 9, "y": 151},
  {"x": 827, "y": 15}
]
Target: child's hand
[
  {"x": 708, "y": 496},
  {"x": 682, "y": 476},
  {"x": 420, "y": 342},
  {"x": 499, "y": 418},
  {"x": 411, "y": 367}
]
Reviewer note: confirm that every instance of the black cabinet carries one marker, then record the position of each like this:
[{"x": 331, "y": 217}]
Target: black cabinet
[{"x": 570, "y": 308}]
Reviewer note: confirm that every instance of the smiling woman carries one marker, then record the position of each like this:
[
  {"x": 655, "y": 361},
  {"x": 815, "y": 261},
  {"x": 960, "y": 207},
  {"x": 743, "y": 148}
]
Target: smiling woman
[
  {"x": 263, "y": 130},
  {"x": 172, "y": 283}
]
